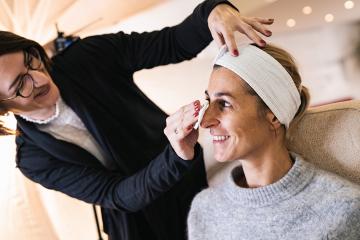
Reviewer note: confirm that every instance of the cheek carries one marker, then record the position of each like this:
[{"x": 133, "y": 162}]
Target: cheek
[
  {"x": 41, "y": 78},
  {"x": 232, "y": 124},
  {"x": 249, "y": 127},
  {"x": 239, "y": 124}
]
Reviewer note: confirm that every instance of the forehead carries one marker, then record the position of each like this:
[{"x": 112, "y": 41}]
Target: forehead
[
  {"x": 9, "y": 62},
  {"x": 11, "y": 65},
  {"x": 225, "y": 80}
]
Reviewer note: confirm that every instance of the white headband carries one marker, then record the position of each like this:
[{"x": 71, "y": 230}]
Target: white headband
[{"x": 267, "y": 77}]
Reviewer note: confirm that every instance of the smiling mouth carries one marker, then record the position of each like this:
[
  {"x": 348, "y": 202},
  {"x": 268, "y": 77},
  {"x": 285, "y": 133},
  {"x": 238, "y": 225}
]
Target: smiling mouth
[
  {"x": 219, "y": 139},
  {"x": 43, "y": 92}
]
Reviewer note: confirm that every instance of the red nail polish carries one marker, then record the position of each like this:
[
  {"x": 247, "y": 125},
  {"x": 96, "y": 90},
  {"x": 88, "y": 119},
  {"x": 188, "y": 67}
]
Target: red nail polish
[
  {"x": 269, "y": 33},
  {"x": 236, "y": 52},
  {"x": 196, "y": 114},
  {"x": 263, "y": 42}
]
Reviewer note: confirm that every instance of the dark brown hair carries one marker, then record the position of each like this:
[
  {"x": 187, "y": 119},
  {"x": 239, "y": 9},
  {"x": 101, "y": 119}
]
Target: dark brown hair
[{"x": 10, "y": 43}]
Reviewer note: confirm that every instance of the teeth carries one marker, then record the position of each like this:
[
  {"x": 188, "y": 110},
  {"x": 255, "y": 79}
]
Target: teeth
[{"x": 220, "y": 138}]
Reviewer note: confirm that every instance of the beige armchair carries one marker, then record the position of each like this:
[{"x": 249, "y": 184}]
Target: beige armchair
[{"x": 329, "y": 137}]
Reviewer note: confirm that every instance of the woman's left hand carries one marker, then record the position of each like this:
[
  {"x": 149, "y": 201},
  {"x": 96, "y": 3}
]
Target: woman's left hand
[
  {"x": 224, "y": 20},
  {"x": 179, "y": 130}
]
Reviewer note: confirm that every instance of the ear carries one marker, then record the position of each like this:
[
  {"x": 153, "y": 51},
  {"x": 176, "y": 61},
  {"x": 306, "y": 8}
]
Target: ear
[{"x": 273, "y": 121}]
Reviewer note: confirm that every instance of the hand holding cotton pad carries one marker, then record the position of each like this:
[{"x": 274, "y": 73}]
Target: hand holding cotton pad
[{"x": 201, "y": 114}]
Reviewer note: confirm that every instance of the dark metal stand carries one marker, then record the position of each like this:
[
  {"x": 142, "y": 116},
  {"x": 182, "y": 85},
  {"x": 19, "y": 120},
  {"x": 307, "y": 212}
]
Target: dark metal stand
[{"x": 97, "y": 223}]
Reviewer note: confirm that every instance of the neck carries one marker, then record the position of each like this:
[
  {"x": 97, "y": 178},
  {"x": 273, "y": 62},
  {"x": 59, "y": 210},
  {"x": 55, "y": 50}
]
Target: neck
[{"x": 266, "y": 169}]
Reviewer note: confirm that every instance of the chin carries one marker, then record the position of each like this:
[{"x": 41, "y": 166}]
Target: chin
[
  {"x": 226, "y": 156},
  {"x": 52, "y": 97},
  {"x": 222, "y": 158}
]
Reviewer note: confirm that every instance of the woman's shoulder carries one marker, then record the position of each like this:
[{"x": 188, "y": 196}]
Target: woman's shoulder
[
  {"x": 204, "y": 196},
  {"x": 338, "y": 187},
  {"x": 207, "y": 199}
]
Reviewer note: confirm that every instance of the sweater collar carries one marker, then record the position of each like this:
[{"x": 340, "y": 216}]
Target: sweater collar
[{"x": 293, "y": 182}]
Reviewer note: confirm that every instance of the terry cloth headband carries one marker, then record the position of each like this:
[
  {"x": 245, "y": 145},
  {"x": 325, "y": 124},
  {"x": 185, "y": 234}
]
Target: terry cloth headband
[{"x": 267, "y": 77}]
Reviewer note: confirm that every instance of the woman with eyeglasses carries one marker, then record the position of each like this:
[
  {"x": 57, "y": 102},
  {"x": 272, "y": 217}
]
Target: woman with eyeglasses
[
  {"x": 255, "y": 99},
  {"x": 85, "y": 128}
]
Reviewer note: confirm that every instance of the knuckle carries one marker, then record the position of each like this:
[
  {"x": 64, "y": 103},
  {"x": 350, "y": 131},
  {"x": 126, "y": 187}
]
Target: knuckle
[{"x": 247, "y": 27}]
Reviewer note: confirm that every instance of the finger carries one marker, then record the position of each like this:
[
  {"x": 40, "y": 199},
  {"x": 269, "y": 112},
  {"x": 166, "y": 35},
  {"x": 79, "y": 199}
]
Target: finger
[
  {"x": 185, "y": 131},
  {"x": 184, "y": 127},
  {"x": 259, "y": 27},
  {"x": 250, "y": 32},
  {"x": 187, "y": 121},
  {"x": 218, "y": 38},
  {"x": 174, "y": 117},
  {"x": 178, "y": 116},
  {"x": 266, "y": 21},
  {"x": 190, "y": 120},
  {"x": 230, "y": 42}
]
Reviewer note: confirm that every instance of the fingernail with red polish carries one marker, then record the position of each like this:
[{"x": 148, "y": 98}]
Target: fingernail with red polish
[
  {"x": 263, "y": 42},
  {"x": 236, "y": 52},
  {"x": 196, "y": 114},
  {"x": 269, "y": 33}
]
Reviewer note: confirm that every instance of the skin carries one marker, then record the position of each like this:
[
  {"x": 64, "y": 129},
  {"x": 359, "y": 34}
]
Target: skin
[
  {"x": 224, "y": 21},
  {"x": 240, "y": 132},
  {"x": 41, "y": 104}
]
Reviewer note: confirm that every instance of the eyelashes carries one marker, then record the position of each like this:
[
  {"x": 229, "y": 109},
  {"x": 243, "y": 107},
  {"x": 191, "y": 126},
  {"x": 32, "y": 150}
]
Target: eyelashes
[
  {"x": 220, "y": 103},
  {"x": 224, "y": 103}
]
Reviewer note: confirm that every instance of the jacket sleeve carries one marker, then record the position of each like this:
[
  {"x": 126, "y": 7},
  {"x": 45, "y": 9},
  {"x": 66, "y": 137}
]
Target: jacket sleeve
[
  {"x": 98, "y": 186},
  {"x": 137, "y": 51}
]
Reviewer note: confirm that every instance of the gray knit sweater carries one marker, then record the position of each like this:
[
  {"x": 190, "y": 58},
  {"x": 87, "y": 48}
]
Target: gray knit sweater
[{"x": 306, "y": 204}]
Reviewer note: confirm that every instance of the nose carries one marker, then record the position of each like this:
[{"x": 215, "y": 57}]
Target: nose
[{"x": 210, "y": 118}]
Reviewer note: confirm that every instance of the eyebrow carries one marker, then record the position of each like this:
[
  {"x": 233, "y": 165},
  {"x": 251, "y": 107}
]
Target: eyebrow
[{"x": 220, "y": 94}]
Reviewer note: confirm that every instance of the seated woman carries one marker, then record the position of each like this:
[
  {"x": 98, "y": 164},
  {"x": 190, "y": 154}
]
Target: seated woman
[{"x": 274, "y": 194}]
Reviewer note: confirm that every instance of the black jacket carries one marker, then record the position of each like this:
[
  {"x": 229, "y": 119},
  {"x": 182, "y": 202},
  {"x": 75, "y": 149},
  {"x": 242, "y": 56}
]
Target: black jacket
[{"x": 147, "y": 192}]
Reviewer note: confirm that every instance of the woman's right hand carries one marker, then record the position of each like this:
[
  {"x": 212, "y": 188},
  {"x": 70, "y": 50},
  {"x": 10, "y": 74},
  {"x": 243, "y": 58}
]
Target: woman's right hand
[{"x": 180, "y": 132}]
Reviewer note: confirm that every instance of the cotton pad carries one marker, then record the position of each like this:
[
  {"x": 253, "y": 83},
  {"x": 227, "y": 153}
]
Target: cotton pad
[{"x": 201, "y": 114}]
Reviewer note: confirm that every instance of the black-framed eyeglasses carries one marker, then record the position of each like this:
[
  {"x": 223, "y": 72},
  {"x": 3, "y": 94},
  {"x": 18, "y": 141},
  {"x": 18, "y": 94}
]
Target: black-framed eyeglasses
[{"x": 25, "y": 88}]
